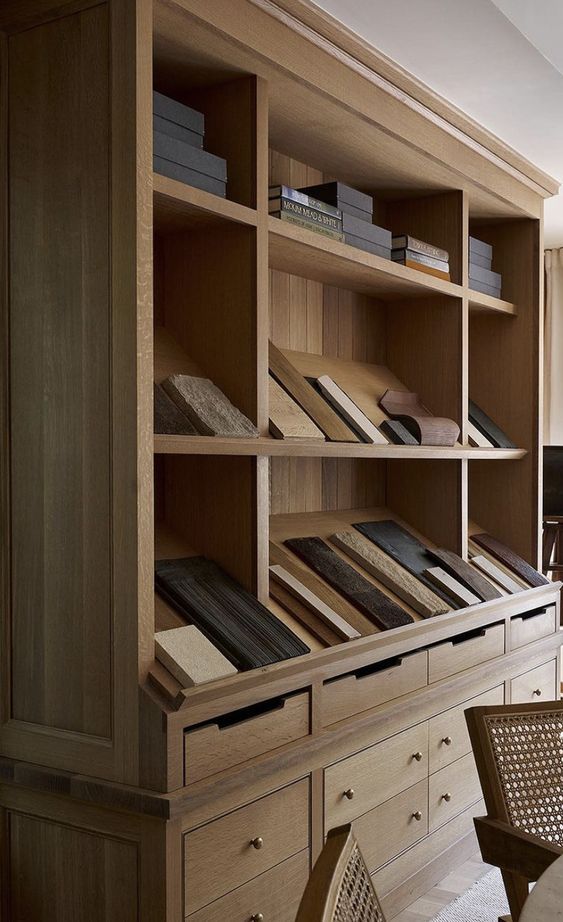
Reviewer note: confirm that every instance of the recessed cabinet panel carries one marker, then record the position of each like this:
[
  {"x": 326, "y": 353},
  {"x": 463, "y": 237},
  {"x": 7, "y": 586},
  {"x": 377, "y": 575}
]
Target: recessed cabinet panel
[{"x": 59, "y": 374}]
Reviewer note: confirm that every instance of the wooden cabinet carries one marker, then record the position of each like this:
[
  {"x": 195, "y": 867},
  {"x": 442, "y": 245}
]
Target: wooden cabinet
[
  {"x": 357, "y": 692},
  {"x": 362, "y": 781},
  {"x": 275, "y": 894},
  {"x": 117, "y": 277},
  {"x": 451, "y": 790},
  {"x": 448, "y": 738},
  {"x": 216, "y": 746},
  {"x": 465, "y": 651},
  {"x": 536, "y": 685},
  {"x": 230, "y": 851}
]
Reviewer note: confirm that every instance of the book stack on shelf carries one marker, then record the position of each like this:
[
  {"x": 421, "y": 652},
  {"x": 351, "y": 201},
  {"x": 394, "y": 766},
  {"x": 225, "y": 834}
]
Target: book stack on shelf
[
  {"x": 357, "y": 217},
  {"x": 417, "y": 254},
  {"x": 296, "y": 207},
  {"x": 178, "y": 133},
  {"x": 481, "y": 276}
]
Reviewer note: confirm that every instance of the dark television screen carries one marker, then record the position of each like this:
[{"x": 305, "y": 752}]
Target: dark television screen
[{"x": 553, "y": 480}]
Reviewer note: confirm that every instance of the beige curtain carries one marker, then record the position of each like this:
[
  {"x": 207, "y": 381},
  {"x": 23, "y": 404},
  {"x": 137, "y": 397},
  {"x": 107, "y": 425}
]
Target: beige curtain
[{"x": 553, "y": 348}]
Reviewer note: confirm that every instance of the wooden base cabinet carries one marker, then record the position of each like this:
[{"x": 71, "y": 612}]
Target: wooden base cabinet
[{"x": 125, "y": 797}]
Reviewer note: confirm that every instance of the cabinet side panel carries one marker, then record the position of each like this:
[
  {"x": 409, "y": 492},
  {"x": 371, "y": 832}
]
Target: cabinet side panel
[{"x": 59, "y": 316}]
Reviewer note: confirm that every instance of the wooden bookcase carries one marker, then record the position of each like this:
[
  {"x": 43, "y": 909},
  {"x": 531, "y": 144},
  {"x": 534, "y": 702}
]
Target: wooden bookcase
[{"x": 116, "y": 278}]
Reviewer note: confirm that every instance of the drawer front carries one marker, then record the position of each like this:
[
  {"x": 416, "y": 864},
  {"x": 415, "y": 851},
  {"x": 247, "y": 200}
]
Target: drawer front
[
  {"x": 275, "y": 894},
  {"x": 531, "y": 626},
  {"x": 369, "y": 778},
  {"x": 394, "y": 826},
  {"x": 217, "y": 746},
  {"x": 536, "y": 685},
  {"x": 352, "y": 694},
  {"x": 221, "y": 855},
  {"x": 448, "y": 738},
  {"x": 452, "y": 790},
  {"x": 462, "y": 652}
]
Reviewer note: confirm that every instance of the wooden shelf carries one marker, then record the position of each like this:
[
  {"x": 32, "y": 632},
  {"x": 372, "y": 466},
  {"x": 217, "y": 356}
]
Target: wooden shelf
[
  {"x": 482, "y": 302},
  {"x": 178, "y": 207},
  {"x": 268, "y": 447},
  {"x": 307, "y": 253}
]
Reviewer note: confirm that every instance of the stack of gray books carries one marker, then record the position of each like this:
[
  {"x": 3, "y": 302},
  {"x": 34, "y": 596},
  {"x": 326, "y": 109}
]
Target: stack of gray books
[
  {"x": 481, "y": 276},
  {"x": 178, "y": 147}
]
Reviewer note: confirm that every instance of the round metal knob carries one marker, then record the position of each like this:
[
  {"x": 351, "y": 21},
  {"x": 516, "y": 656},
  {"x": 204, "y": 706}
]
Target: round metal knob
[
  {"x": 349, "y": 793},
  {"x": 537, "y": 691},
  {"x": 447, "y": 796},
  {"x": 447, "y": 741},
  {"x": 257, "y": 917},
  {"x": 417, "y": 756},
  {"x": 258, "y": 842},
  {"x": 417, "y": 815}
]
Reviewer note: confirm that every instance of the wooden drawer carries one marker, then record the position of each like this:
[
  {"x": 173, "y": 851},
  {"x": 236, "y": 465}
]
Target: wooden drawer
[
  {"x": 467, "y": 650},
  {"x": 374, "y": 775},
  {"x": 373, "y": 685},
  {"x": 452, "y": 790},
  {"x": 394, "y": 826},
  {"x": 221, "y": 856},
  {"x": 532, "y": 625},
  {"x": 276, "y": 894},
  {"x": 536, "y": 685},
  {"x": 240, "y": 736},
  {"x": 448, "y": 738}
]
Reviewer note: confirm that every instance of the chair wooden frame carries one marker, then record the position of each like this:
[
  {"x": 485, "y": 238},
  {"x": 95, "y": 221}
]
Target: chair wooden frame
[
  {"x": 521, "y": 856},
  {"x": 339, "y": 879}
]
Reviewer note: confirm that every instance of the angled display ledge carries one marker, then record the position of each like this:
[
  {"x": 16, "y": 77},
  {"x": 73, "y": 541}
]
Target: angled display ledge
[{"x": 269, "y": 447}]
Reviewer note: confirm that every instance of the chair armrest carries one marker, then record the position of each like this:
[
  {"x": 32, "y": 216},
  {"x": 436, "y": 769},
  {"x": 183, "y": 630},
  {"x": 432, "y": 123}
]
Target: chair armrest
[{"x": 513, "y": 850}]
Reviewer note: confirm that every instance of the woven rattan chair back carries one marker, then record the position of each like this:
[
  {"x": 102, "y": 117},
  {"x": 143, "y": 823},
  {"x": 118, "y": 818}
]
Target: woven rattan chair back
[
  {"x": 340, "y": 888},
  {"x": 518, "y": 751}
]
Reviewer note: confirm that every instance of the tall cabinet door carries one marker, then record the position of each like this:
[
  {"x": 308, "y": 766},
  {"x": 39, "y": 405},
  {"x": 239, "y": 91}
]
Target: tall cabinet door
[{"x": 75, "y": 411}]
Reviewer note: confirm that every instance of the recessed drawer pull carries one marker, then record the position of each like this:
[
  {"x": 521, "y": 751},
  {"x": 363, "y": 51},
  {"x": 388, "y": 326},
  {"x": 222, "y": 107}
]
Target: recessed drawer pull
[
  {"x": 349, "y": 793},
  {"x": 447, "y": 740},
  {"x": 417, "y": 815},
  {"x": 417, "y": 756},
  {"x": 258, "y": 842},
  {"x": 537, "y": 692},
  {"x": 257, "y": 917},
  {"x": 447, "y": 797}
]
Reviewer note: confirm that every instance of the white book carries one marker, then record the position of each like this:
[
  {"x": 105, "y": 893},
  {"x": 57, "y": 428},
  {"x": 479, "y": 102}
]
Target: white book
[
  {"x": 476, "y": 438},
  {"x": 351, "y": 412}
]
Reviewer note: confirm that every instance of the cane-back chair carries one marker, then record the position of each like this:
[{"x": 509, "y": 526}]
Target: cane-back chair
[
  {"x": 518, "y": 750},
  {"x": 340, "y": 888}
]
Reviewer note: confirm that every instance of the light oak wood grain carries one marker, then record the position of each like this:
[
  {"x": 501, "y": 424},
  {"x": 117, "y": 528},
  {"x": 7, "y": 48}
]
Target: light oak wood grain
[
  {"x": 452, "y": 586},
  {"x": 390, "y": 573},
  {"x": 394, "y": 826},
  {"x": 525, "y": 629},
  {"x": 451, "y": 790},
  {"x": 448, "y": 739},
  {"x": 536, "y": 685},
  {"x": 344, "y": 630},
  {"x": 190, "y": 657},
  {"x": 287, "y": 419},
  {"x": 351, "y": 413},
  {"x": 449, "y": 658}
]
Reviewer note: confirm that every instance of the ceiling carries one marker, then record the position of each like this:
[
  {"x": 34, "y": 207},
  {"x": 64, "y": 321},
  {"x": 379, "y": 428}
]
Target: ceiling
[{"x": 500, "y": 61}]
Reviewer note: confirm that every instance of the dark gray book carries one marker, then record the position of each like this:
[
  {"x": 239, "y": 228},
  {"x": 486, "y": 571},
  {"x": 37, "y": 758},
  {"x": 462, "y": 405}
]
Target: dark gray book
[
  {"x": 165, "y": 126},
  {"x": 479, "y": 246},
  {"x": 484, "y": 289},
  {"x": 484, "y": 261},
  {"x": 367, "y": 246},
  {"x": 397, "y": 433},
  {"x": 488, "y": 428},
  {"x": 366, "y": 230},
  {"x": 177, "y": 112},
  {"x": 486, "y": 276},
  {"x": 243, "y": 629},
  {"x": 400, "y": 256},
  {"x": 168, "y": 417},
  {"x": 275, "y": 193},
  {"x": 406, "y": 242},
  {"x": 406, "y": 550},
  {"x": 190, "y": 177},
  {"x": 339, "y": 194},
  {"x": 343, "y": 577},
  {"x": 191, "y": 157}
]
